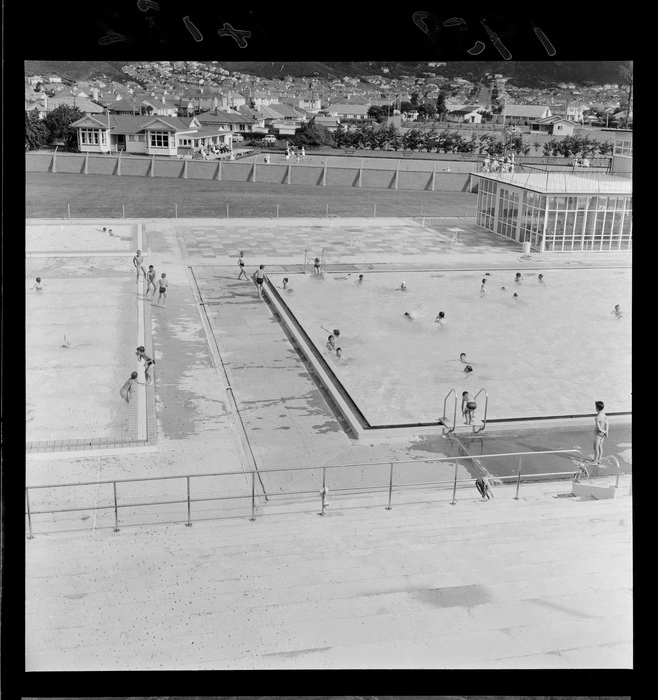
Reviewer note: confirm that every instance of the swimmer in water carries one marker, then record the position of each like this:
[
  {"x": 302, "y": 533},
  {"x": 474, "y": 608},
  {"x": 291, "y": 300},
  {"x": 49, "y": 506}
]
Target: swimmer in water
[
  {"x": 403, "y": 287},
  {"x": 540, "y": 277},
  {"x": 441, "y": 319},
  {"x": 503, "y": 289},
  {"x": 335, "y": 331},
  {"x": 483, "y": 288},
  {"x": 38, "y": 285},
  {"x": 285, "y": 284},
  {"x": 617, "y": 312},
  {"x": 462, "y": 358},
  {"x": 339, "y": 352},
  {"x": 468, "y": 369},
  {"x": 360, "y": 280},
  {"x": 516, "y": 298},
  {"x": 518, "y": 277},
  {"x": 330, "y": 343},
  {"x": 316, "y": 266}
]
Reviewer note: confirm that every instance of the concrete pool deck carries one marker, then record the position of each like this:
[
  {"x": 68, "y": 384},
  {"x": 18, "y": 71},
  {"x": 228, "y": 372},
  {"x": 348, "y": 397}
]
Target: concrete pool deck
[{"x": 274, "y": 415}]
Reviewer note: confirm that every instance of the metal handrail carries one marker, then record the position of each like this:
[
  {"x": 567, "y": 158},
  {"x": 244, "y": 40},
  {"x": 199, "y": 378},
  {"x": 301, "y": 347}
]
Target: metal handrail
[
  {"x": 445, "y": 415},
  {"x": 486, "y": 404},
  {"x": 323, "y": 491}
]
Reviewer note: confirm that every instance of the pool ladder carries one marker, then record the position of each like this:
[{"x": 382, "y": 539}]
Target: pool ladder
[{"x": 445, "y": 420}]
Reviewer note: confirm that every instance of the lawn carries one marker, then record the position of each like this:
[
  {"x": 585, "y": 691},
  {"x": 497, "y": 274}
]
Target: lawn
[{"x": 47, "y": 195}]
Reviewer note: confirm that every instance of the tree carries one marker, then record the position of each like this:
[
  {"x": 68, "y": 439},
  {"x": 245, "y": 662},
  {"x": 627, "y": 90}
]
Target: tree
[
  {"x": 58, "y": 122},
  {"x": 426, "y": 111},
  {"x": 414, "y": 99},
  {"x": 379, "y": 114},
  {"x": 412, "y": 139},
  {"x": 312, "y": 134},
  {"x": 441, "y": 108},
  {"x": 36, "y": 133},
  {"x": 626, "y": 71},
  {"x": 406, "y": 107},
  {"x": 340, "y": 136}
]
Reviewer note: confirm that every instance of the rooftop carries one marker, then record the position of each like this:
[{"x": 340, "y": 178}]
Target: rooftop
[{"x": 573, "y": 183}]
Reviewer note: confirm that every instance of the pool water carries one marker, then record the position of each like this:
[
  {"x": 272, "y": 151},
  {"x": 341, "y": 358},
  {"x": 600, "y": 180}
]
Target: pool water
[{"x": 552, "y": 352}]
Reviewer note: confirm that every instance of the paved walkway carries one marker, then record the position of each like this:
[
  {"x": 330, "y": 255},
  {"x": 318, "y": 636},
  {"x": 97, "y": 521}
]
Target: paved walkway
[
  {"x": 543, "y": 582},
  {"x": 223, "y": 406}
]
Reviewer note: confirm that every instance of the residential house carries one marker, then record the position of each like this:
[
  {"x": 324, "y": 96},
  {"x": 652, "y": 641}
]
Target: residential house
[
  {"x": 330, "y": 123},
  {"x": 465, "y": 114},
  {"x": 34, "y": 79},
  {"x": 54, "y": 78},
  {"x": 82, "y": 103},
  {"x": 229, "y": 120},
  {"x": 157, "y": 135},
  {"x": 574, "y": 112},
  {"x": 524, "y": 114},
  {"x": 347, "y": 111},
  {"x": 554, "y": 125}
]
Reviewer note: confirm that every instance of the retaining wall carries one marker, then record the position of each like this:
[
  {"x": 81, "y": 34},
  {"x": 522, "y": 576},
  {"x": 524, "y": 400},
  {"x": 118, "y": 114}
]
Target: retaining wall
[{"x": 311, "y": 175}]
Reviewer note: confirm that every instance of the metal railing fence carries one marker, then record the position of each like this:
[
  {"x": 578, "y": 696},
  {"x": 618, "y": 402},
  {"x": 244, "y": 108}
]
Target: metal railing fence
[
  {"x": 322, "y": 490},
  {"x": 285, "y": 209}
]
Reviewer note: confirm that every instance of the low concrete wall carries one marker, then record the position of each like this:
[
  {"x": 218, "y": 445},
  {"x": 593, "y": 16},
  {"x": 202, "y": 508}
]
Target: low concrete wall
[
  {"x": 273, "y": 174},
  {"x": 101, "y": 165},
  {"x": 132, "y": 166},
  {"x": 309, "y": 175},
  {"x": 38, "y": 162},
  {"x": 200, "y": 170}
]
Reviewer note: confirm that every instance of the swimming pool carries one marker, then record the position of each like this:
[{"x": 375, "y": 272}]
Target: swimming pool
[{"x": 552, "y": 352}]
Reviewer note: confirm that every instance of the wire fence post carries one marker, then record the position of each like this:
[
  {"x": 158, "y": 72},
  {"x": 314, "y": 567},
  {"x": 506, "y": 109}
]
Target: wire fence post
[
  {"x": 189, "y": 520},
  {"x": 454, "y": 486},
  {"x": 175, "y": 210},
  {"x": 68, "y": 208},
  {"x": 123, "y": 209},
  {"x": 227, "y": 210},
  {"x": 253, "y": 496},
  {"x": 327, "y": 211},
  {"x": 29, "y": 515},
  {"x": 277, "y": 211},
  {"x": 518, "y": 479},
  {"x": 374, "y": 211},
  {"x": 323, "y": 491},
  {"x": 116, "y": 508},
  {"x": 390, "y": 488},
  {"x": 421, "y": 211}
]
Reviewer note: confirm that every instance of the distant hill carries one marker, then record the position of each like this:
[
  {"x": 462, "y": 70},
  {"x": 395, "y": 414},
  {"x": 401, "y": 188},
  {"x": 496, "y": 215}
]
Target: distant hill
[
  {"x": 533, "y": 74},
  {"x": 78, "y": 70}
]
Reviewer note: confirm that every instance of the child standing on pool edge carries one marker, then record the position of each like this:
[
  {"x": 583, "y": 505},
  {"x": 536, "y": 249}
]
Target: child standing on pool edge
[
  {"x": 468, "y": 407},
  {"x": 241, "y": 266}
]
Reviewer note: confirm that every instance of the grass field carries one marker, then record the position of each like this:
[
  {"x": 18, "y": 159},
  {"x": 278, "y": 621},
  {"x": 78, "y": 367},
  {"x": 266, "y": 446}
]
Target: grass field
[{"x": 47, "y": 195}]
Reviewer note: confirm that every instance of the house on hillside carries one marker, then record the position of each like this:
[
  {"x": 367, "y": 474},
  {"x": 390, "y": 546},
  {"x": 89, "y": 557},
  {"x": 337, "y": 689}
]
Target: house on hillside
[
  {"x": 524, "y": 114},
  {"x": 330, "y": 123},
  {"x": 465, "y": 114},
  {"x": 229, "y": 120},
  {"x": 161, "y": 136},
  {"x": 554, "y": 125},
  {"x": 83, "y": 104},
  {"x": 347, "y": 111}
]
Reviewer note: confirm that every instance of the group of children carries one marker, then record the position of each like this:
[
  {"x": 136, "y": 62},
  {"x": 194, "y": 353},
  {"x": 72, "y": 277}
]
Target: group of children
[
  {"x": 127, "y": 389},
  {"x": 150, "y": 277}
]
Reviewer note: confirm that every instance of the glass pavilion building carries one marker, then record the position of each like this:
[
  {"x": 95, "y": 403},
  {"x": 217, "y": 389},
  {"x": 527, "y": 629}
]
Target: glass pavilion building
[{"x": 561, "y": 211}]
